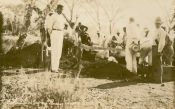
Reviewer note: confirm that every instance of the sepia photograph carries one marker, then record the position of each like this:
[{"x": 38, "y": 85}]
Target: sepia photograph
[{"x": 87, "y": 54}]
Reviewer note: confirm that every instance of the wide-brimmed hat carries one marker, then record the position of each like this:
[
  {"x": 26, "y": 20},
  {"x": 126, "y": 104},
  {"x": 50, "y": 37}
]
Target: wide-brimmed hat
[{"x": 158, "y": 20}]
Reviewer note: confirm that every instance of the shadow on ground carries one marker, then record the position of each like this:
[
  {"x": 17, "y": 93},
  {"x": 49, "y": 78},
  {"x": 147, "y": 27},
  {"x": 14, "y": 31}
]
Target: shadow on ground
[{"x": 114, "y": 85}]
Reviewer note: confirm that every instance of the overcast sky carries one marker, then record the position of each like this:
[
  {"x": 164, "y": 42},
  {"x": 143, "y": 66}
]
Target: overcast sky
[{"x": 144, "y": 11}]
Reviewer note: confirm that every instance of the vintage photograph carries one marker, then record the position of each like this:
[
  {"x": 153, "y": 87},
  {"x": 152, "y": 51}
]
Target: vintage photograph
[{"x": 87, "y": 54}]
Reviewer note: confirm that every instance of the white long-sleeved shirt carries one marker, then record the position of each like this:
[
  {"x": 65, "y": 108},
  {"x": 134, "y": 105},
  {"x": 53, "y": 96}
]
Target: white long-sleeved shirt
[
  {"x": 56, "y": 21},
  {"x": 74, "y": 36},
  {"x": 132, "y": 31},
  {"x": 46, "y": 22},
  {"x": 160, "y": 36},
  {"x": 145, "y": 42},
  {"x": 119, "y": 39}
]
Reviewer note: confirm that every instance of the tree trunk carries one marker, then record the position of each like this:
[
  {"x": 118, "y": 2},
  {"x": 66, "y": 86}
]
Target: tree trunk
[{"x": 110, "y": 27}]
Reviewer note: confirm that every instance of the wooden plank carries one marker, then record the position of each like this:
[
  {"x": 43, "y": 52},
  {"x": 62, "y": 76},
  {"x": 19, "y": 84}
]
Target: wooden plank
[{"x": 168, "y": 73}]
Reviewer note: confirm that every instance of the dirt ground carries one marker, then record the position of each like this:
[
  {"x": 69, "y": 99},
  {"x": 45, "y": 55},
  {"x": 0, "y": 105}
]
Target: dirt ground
[
  {"x": 131, "y": 95},
  {"x": 94, "y": 93}
]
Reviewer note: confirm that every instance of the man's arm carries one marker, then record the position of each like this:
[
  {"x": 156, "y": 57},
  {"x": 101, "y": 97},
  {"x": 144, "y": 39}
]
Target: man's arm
[
  {"x": 50, "y": 23},
  {"x": 86, "y": 28},
  {"x": 161, "y": 41}
]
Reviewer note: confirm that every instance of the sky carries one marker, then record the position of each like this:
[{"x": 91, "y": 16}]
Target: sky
[
  {"x": 144, "y": 12},
  {"x": 13, "y": 2}
]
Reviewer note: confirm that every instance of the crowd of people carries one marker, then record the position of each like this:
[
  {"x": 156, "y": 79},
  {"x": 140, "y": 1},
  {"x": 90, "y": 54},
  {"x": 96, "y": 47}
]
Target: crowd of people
[
  {"x": 131, "y": 41},
  {"x": 64, "y": 37},
  {"x": 11, "y": 26}
]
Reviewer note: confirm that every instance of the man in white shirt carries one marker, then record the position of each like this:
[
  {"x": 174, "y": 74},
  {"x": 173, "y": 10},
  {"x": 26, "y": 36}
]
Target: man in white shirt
[
  {"x": 157, "y": 49},
  {"x": 160, "y": 36},
  {"x": 55, "y": 29},
  {"x": 146, "y": 48},
  {"x": 98, "y": 40},
  {"x": 119, "y": 39},
  {"x": 131, "y": 38},
  {"x": 74, "y": 34}
]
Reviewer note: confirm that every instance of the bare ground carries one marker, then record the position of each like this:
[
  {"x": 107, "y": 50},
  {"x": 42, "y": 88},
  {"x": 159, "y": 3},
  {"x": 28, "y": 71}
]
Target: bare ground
[{"x": 90, "y": 93}]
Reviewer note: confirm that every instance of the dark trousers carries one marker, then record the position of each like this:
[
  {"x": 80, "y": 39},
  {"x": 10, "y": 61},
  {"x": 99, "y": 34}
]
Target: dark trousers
[
  {"x": 157, "y": 69},
  {"x": 174, "y": 53}
]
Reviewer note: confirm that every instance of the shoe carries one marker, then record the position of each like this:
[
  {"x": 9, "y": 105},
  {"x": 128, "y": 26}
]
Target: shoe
[
  {"x": 135, "y": 78},
  {"x": 60, "y": 70},
  {"x": 54, "y": 71}
]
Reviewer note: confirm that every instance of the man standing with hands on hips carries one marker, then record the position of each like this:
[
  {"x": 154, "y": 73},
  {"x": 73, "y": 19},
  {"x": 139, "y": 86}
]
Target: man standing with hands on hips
[{"x": 55, "y": 29}]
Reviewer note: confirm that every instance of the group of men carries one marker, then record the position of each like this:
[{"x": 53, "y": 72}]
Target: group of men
[
  {"x": 133, "y": 41},
  {"x": 151, "y": 45},
  {"x": 11, "y": 26}
]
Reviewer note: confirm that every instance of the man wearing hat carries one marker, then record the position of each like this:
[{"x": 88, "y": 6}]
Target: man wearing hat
[
  {"x": 55, "y": 29},
  {"x": 158, "y": 45},
  {"x": 160, "y": 35}
]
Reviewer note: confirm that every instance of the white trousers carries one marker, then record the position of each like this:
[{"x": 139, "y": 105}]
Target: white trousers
[
  {"x": 131, "y": 62},
  {"x": 56, "y": 48}
]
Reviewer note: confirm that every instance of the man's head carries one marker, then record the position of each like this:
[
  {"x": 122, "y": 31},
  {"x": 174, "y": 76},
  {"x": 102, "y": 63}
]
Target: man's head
[
  {"x": 79, "y": 23},
  {"x": 113, "y": 38},
  {"x": 59, "y": 9},
  {"x": 98, "y": 33},
  {"x": 146, "y": 30},
  {"x": 65, "y": 26},
  {"x": 118, "y": 33},
  {"x": 158, "y": 22},
  {"x": 72, "y": 24},
  {"x": 28, "y": 5},
  {"x": 173, "y": 28},
  {"x": 40, "y": 13},
  {"x": 48, "y": 8},
  {"x": 124, "y": 29},
  {"x": 164, "y": 28},
  {"x": 131, "y": 19}
]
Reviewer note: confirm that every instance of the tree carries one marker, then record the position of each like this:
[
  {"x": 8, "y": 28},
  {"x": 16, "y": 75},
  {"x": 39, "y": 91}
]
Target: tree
[
  {"x": 169, "y": 14},
  {"x": 73, "y": 6},
  {"x": 111, "y": 10},
  {"x": 172, "y": 19},
  {"x": 102, "y": 11},
  {"x": 95, "y": 9},
  {"x": 1, "y": 30}
]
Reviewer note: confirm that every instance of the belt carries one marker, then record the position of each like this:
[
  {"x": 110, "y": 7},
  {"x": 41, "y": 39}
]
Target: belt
[{"x": 57, "y": 29}]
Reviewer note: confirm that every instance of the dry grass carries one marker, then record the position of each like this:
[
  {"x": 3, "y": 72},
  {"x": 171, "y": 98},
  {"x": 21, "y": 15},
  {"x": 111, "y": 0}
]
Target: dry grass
[
  {"x": 50, "y": 91},
  {"x": 43, "y": 88}
]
